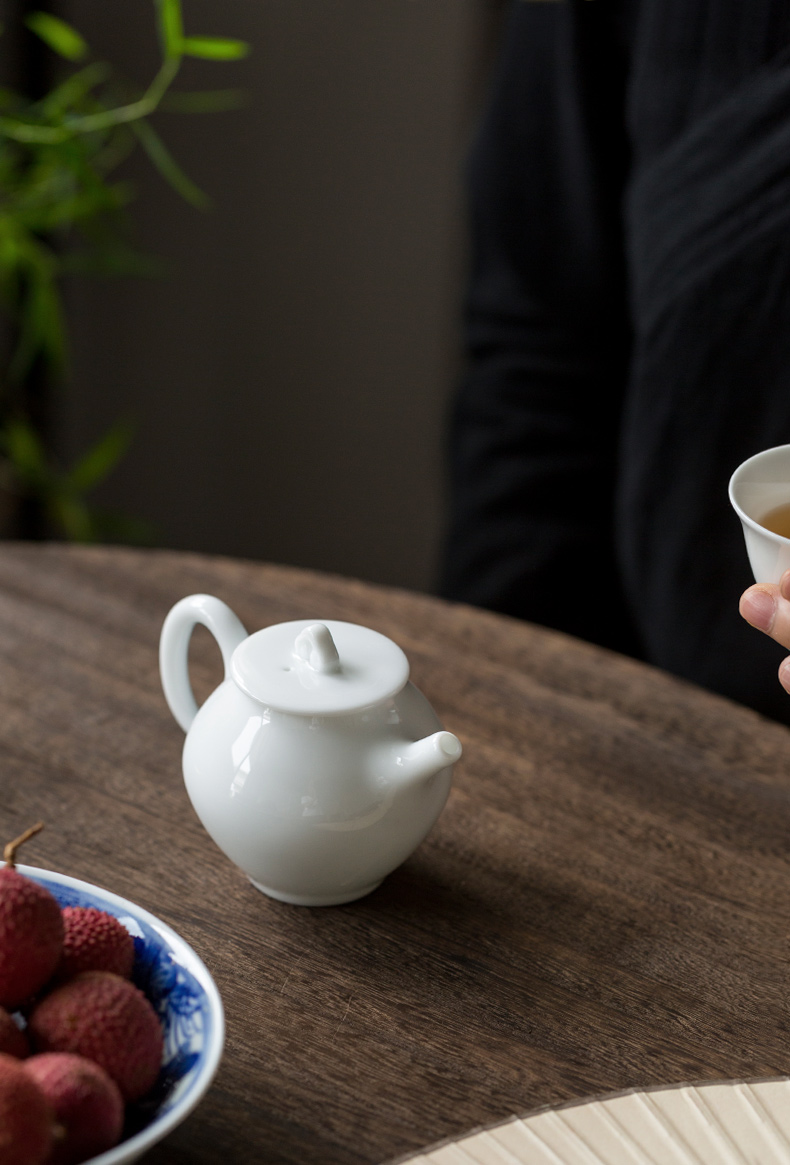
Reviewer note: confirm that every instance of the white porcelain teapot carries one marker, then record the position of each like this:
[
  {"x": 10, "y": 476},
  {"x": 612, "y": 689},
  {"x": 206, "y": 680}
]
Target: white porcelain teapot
[{"x": 316, "y": 766}]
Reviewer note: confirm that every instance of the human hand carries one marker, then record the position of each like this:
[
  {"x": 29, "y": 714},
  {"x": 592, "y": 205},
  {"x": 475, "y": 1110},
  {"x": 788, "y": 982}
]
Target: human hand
[{"x": 767, "y": 607}]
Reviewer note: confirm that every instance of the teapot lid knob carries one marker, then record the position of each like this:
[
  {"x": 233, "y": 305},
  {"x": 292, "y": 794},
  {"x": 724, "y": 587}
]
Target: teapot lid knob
[
  {"x": 319, "y": 669},
  {"x": 316, "y": 647}
]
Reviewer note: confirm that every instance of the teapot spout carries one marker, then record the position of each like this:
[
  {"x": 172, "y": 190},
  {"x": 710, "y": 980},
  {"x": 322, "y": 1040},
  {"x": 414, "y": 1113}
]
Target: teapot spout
[{"x": 425, "y": 758}]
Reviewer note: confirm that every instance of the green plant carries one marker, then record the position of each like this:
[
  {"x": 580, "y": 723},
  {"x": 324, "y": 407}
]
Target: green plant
[{"x": 61, "y": 213}]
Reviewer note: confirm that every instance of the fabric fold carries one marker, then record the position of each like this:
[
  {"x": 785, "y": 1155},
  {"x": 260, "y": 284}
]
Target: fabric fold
[{"x": 713, "y": 192}]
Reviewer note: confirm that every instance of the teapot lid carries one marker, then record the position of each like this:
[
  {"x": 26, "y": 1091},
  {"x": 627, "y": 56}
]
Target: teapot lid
[{"x": 319, "y": 669}]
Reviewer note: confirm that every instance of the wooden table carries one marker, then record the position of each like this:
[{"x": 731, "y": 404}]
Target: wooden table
[{"x": 604, "y": 902}]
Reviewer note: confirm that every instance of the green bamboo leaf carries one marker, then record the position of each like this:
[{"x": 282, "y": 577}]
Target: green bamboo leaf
[
  {"x": 167, "y": 166},
  {"x": 48, "y": 322},
  {"x": 171, "y": 26},
  {"x": 114, "y": 260},
  {"x": 75, "y": 88},
  {"x": 204, "y": 101},
  {"x": 42, "y": 330},
  {"x": 27, "y": 348},
  {"x": 9, "y": 248},
  {"x": 214, "y": 48},
  {"x": 116, "y": 149},
  {"x": 101, "y": 458},
  {"x": 70, "y": 515},
  {"x": 115, "y": 527},
  {"x": 32, "y": 133},
  {"x": 59, "y": 36},
  {"x": 25, "y": 451}
]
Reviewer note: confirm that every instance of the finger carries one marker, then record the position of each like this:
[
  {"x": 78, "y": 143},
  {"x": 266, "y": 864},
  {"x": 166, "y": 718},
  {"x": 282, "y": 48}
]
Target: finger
[
  {"x": 758, "y": 606},
  {"x": 784, "y": 585},
  {"x": 764, "y": 608},
  {"x": 784, "y": 674}
]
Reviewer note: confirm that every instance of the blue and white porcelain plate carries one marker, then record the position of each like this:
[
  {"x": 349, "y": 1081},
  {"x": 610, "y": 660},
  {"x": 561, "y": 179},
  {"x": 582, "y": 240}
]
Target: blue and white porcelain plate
[{"x": 184, "y": 996}]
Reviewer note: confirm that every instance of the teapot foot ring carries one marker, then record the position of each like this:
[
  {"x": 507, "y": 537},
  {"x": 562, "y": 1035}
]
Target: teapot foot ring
[{"x": 316, "y": 899}]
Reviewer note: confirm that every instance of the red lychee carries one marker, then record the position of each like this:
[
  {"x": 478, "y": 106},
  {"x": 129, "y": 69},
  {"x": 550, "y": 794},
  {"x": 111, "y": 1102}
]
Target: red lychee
[
  {"x": 87, "y": 1105},
  {"x": 27, "y": 1120},
  {"x": 107, "y": 1019},
  {"x": 31, "y": 931},
  {"x": 13, "y": 1041},
  {"x": 94, "y": 941}
]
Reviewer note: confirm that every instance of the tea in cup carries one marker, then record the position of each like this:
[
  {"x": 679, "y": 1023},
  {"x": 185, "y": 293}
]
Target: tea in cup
[{"x": 760, "y": 496}]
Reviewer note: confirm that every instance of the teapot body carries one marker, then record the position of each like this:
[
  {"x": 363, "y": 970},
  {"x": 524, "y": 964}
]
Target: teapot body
[
  {"x": 316, "y": 766},
  {"x": 305, "y": 805}
]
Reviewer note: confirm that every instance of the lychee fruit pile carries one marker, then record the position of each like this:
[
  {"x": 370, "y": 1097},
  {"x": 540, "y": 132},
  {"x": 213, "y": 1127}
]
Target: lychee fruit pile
[{"x": 78, "y": 1041}]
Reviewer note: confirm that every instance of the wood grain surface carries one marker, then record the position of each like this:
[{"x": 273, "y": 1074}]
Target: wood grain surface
[{"x": 603, "y": 904}]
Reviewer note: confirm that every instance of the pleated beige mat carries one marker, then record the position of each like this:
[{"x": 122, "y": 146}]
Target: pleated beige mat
[{"x": 731, "y": 1123}]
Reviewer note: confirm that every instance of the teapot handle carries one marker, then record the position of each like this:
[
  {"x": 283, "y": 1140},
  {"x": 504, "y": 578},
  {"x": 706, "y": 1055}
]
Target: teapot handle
[{"x": 226, "y": 628}]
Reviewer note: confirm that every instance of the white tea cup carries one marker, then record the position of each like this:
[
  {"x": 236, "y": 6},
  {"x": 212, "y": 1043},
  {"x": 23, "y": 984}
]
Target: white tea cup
[{"x": 758, "y": 486}]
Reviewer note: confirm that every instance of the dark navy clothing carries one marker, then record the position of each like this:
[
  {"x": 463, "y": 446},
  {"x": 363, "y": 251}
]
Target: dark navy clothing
[{"x": 628, "y": 327}]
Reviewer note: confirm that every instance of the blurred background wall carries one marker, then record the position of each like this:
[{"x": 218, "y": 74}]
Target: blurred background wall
[{"x": 290, "y": 376}]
